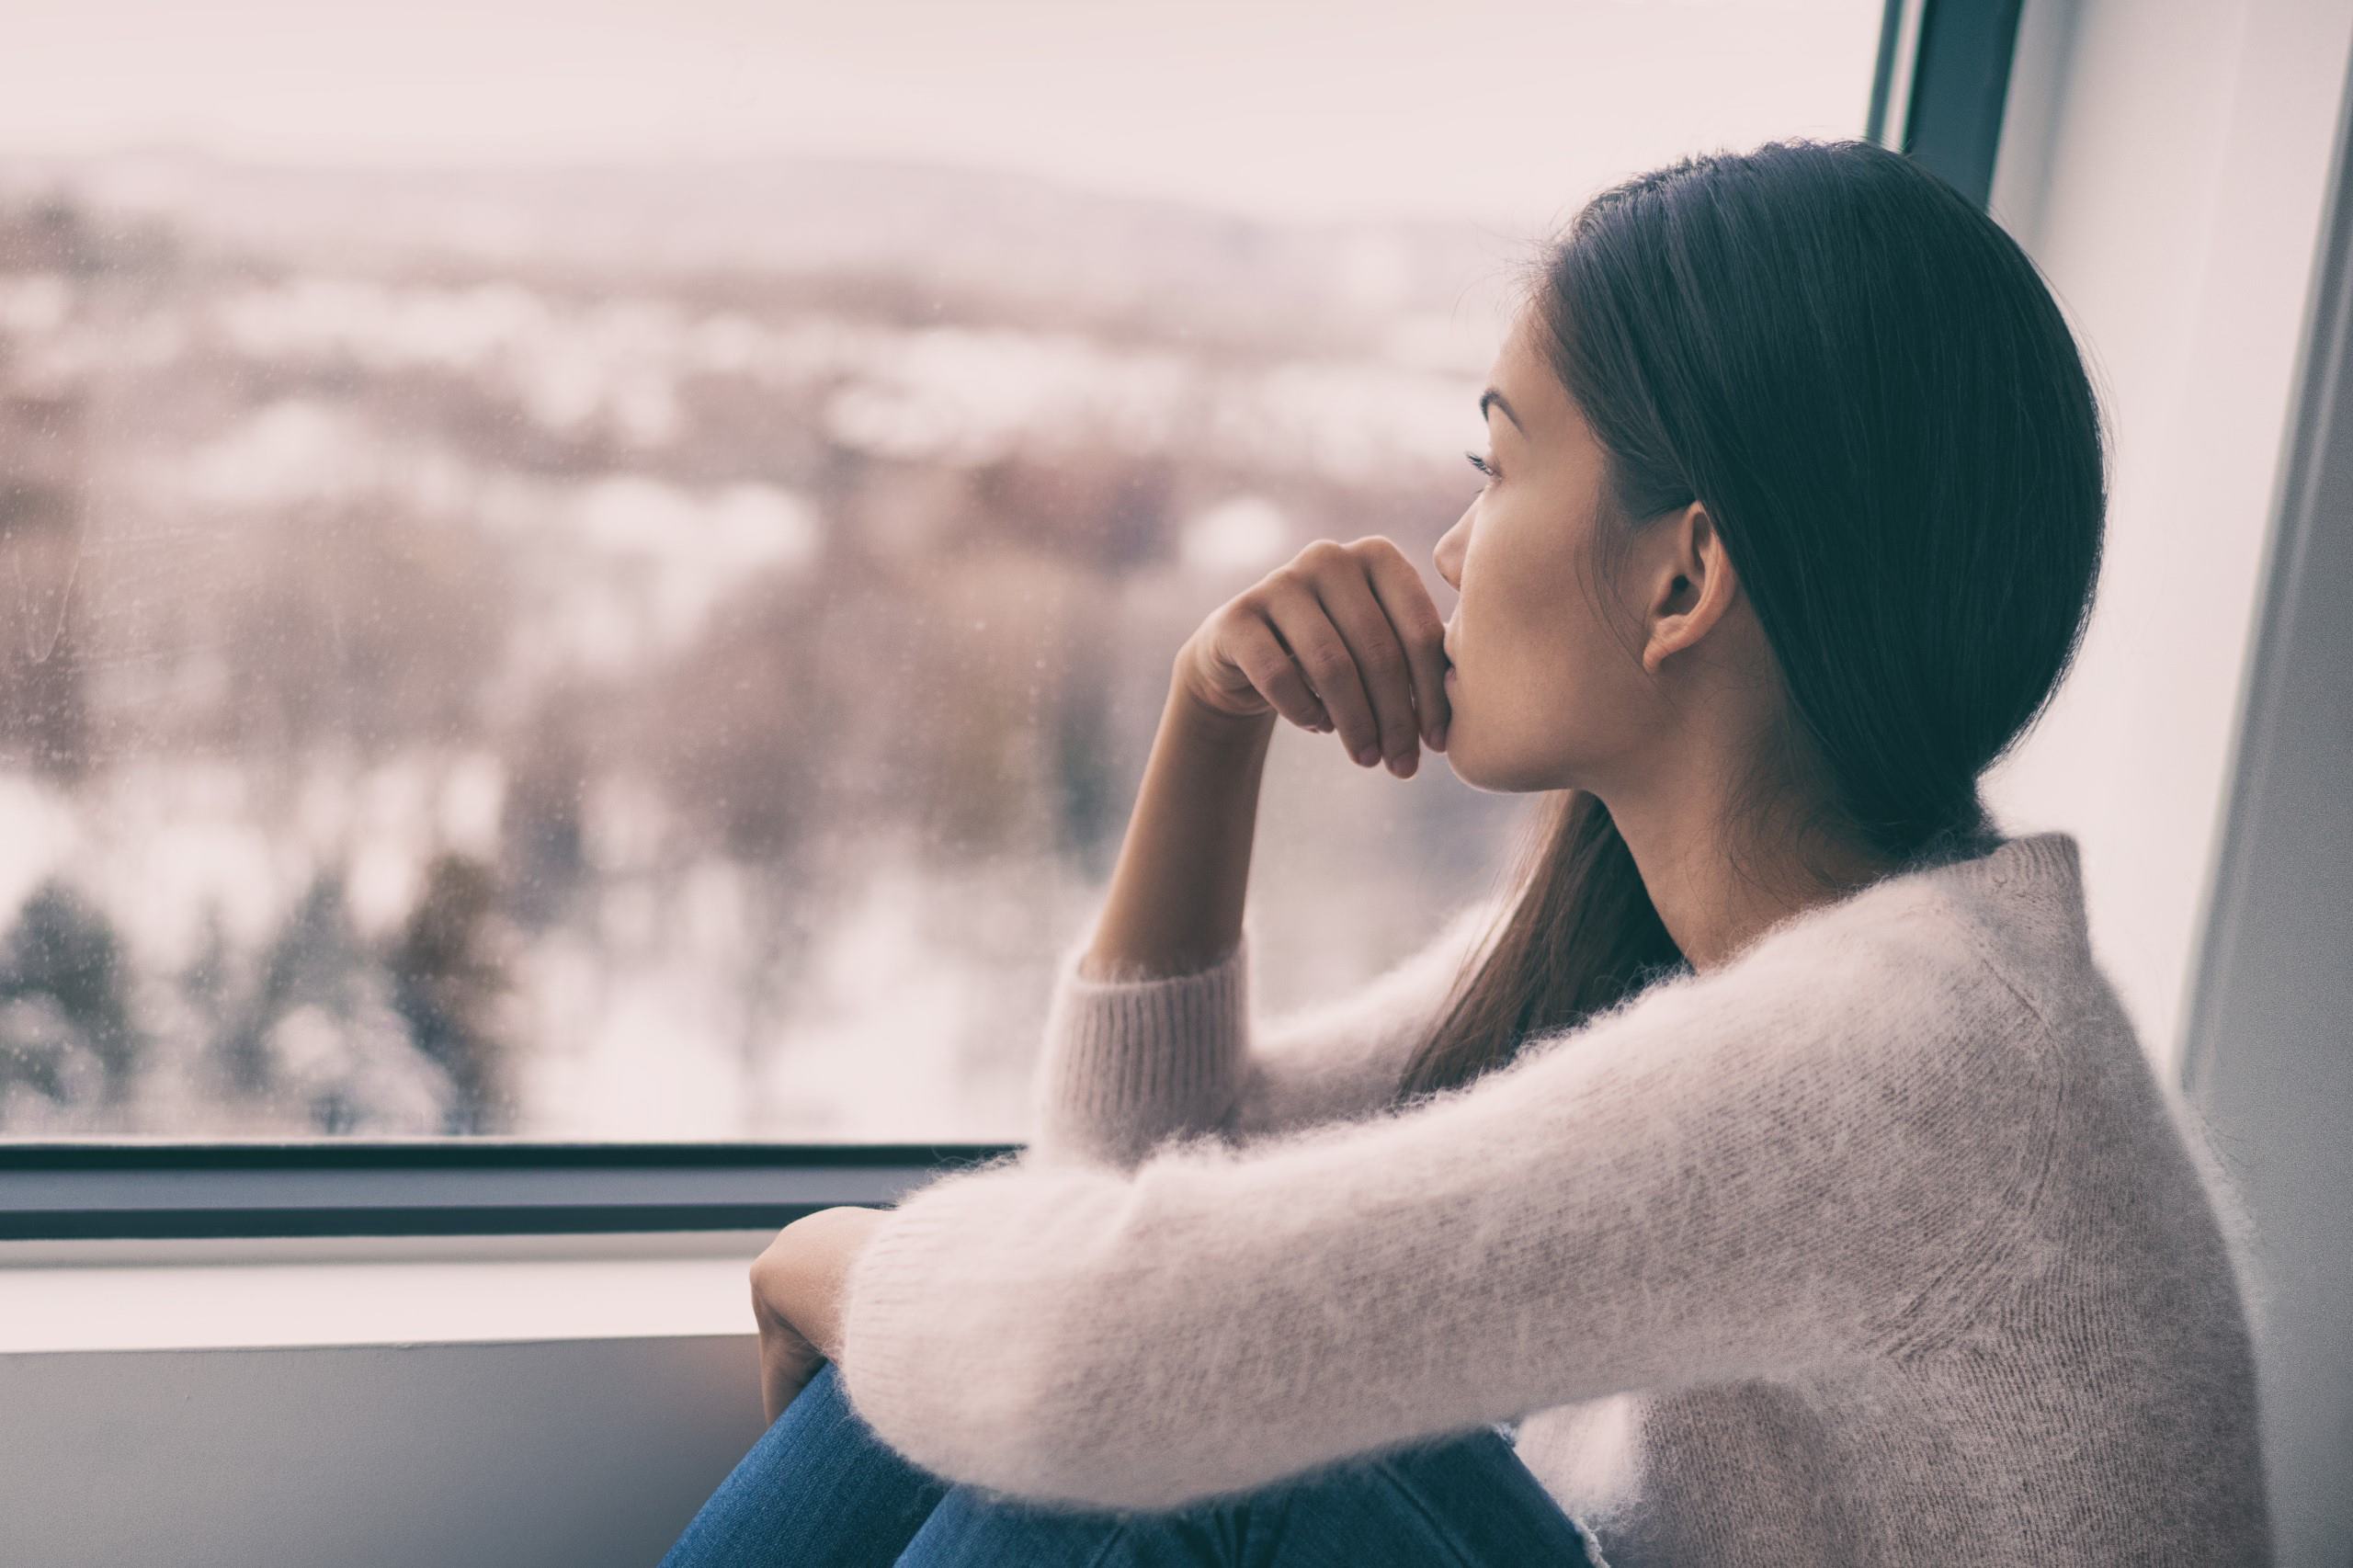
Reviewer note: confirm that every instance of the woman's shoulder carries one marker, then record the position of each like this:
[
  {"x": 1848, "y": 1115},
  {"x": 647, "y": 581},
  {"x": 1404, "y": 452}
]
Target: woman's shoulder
[{"x": 1995, "y": 947}]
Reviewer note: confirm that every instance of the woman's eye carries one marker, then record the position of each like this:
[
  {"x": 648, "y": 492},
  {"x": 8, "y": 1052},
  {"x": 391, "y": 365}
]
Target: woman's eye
[{"x": 1482, "y": 464}]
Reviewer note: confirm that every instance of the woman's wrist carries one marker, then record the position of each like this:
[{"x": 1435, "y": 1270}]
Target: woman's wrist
[
  {"x": 1200, "y": 721},
  {"x": 1177, "y": 892}
]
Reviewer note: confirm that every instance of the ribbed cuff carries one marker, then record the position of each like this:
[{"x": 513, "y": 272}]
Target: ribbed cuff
[{"x": 1129, "y": 1062}]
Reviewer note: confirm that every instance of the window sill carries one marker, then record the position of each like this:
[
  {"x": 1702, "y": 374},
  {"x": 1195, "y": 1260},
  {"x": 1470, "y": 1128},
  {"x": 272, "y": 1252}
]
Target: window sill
[{"x": 265, "y": 1292}]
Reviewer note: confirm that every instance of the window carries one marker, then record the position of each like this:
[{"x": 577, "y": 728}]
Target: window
[{"x": 612, "y": 585}]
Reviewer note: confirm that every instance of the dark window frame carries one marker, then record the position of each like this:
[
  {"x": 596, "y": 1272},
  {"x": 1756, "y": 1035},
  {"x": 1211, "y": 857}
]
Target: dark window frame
[
  {"x": 1955, "y": 85},
  {"x": 92, "y": 1188}
]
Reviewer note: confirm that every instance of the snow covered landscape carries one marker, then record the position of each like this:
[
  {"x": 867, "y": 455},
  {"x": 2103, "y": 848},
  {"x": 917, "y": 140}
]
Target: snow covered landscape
[{"x": 658, "y": 653}]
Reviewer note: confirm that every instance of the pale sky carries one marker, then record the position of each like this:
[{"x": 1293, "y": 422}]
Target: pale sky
[{"x": 1498, "y": 110}]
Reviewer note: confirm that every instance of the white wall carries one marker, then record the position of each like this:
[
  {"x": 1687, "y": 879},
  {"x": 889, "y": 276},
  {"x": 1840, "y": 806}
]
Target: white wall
[
  {"x": 2165, "y": 162},
  {"x": 535, "y": 1401},
  {"x": 2169, "y": 163},
  {"x": 558, "y": 1454},
  {"x": 2270, "y": 1030}
]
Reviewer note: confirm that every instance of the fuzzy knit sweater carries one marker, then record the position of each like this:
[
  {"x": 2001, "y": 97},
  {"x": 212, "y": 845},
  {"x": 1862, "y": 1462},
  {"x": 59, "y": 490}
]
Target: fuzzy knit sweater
[{"x": 1878, "y": 1244}]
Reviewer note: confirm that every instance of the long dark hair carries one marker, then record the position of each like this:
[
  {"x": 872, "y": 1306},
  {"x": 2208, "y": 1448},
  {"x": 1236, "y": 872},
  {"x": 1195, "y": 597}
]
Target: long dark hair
[{"x": 1871, "y": 388}]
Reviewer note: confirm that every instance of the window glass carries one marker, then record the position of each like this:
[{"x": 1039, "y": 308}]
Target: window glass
[{"x": 607, "y": 570}]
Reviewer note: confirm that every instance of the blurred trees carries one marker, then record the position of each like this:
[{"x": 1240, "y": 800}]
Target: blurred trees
[
  {"x": 356, "y": 624},
  {"x": 543, "y": 823},
  {"x": 448, "y": 978},
  {"x": 44, "y": 719},
  {"x": 66, "y": 1026},
  {"x": 316, "y": 1030},
  {"x": 740, "y": 729}
]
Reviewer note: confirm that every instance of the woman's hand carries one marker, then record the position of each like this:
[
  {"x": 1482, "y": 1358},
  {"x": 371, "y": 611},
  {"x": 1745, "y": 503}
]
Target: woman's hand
[
  {"x": 1342, "y": 636},
  {"x": 797, "y": 1288}
]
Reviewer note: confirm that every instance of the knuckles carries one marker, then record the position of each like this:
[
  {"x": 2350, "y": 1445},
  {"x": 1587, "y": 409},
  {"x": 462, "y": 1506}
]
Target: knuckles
[
  {"x": 1321, "y": 656},
  {"x": 1421, "y": 641}
]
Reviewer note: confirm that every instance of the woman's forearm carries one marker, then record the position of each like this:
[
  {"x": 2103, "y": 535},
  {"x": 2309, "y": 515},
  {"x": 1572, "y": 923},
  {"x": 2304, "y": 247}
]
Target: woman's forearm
[{"x": 1175, "y": 900}]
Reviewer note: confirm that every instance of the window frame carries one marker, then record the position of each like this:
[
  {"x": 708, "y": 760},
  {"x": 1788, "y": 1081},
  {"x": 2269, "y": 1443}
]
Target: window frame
[
  {"x": 1942, "y": 81},
  {"x": 95, "y": 1189},
  {"x": 1939, "y": 85}
]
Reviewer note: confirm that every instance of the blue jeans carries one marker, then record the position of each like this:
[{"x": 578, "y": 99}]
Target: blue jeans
[{"x": 820, "y": 1490}]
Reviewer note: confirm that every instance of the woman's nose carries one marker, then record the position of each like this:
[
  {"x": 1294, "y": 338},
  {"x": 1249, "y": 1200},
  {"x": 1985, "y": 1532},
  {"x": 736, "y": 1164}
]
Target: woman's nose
[{"x": 1448, "y": 557}]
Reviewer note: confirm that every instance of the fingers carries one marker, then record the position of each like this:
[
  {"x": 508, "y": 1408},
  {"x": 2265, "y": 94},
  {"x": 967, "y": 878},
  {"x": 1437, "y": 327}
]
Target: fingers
[
  {"x": 1345, "y": 638},
  {"x": 1418, "y": 625},
  {"x": 1382, "y": 667},
  {"x": 1295, "y": 609},
  {"x": 1261, "y": 654},
  {"x": 1395, "y": 638}
]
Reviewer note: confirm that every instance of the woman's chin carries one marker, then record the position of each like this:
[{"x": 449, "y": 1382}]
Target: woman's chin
[{"x": 1452, "y": 753}]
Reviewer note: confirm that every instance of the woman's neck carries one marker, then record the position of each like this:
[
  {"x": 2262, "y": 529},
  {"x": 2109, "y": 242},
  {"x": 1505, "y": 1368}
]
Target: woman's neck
[{"x": 1716, "y": 894}]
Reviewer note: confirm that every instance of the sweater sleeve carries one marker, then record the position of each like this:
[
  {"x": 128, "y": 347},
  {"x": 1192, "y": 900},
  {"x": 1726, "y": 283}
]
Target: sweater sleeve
[
  {"x": 1132, "y": 1060},
  {"x": 1823, "y": 1153}
]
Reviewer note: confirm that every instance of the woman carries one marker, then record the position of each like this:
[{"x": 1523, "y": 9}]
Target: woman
[{"x": 1777, "y": 1157}]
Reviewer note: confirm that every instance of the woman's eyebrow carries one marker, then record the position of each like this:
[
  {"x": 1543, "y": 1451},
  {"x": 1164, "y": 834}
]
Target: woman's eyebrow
[{"x": 1491, "y": 396}]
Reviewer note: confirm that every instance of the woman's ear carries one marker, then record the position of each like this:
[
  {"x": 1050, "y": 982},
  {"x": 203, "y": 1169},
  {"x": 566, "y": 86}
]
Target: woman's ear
[{"x": 1691, "y": 586}]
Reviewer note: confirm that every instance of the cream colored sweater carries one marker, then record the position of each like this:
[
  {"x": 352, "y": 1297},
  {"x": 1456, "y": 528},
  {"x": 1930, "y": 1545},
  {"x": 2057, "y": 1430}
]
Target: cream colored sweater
[{"x": 1878, "y": 1245}]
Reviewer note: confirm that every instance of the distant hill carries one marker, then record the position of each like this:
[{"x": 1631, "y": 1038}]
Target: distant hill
[{"x": 964, "y": 229}]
